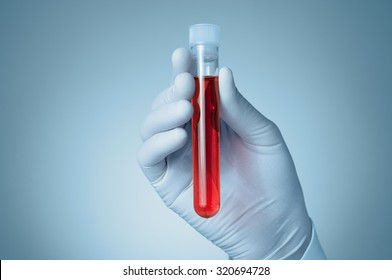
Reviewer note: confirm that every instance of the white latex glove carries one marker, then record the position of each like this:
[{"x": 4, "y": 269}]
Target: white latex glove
[{"x": 263, "y": 213}]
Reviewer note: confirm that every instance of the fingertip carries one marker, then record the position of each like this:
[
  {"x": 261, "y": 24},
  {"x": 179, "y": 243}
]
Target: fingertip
[
  {"x": 181, "y": 61},
  {"x": 227, "y": 86},
  {"x": 185, "y": 108},
  {"x": 225, "y": 73},
  {"x": 160, "y": 145},
  {"x": 179, "y": 54},
  {"x": 167, "y": 117},
  {"x": 184, "y": 86},
  {"x": 185, "y": 77},
  {"x": 179, "y": 136}
]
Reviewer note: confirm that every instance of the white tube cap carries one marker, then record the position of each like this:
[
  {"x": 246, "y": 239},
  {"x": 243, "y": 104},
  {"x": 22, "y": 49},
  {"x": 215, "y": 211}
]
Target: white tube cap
[{"x": 204, "y": 33}]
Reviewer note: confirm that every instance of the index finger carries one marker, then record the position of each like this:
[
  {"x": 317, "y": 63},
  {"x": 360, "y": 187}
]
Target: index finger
[{"x": 181, "y": 61}]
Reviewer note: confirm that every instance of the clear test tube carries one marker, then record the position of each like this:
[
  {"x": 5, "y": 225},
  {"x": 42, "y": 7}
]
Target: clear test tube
[{"x": 204, "y": 44}]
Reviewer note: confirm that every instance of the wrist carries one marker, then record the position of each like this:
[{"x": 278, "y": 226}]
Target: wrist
[
  {"x": 297, "y": 241},
  {"x": 314, "y": 251}
]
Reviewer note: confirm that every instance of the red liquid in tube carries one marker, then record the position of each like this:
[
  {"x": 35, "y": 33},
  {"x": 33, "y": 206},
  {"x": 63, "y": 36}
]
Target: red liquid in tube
[{"x": 205, "y": 146}]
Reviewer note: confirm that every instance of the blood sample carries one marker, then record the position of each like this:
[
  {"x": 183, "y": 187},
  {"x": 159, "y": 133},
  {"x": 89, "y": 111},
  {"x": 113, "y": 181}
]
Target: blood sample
[{"x": 204, "y": 41}]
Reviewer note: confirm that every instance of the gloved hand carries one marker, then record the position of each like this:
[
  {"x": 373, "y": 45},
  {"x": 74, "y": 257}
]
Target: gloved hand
[{"x": 263, "y": 213}]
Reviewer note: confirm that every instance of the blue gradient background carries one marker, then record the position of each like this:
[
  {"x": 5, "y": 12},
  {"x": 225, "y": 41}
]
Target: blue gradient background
[{"x": 78, "y": 77}]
